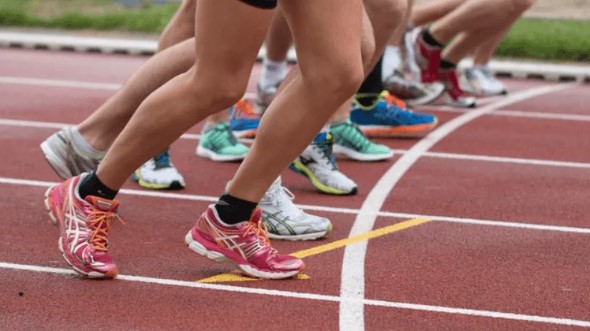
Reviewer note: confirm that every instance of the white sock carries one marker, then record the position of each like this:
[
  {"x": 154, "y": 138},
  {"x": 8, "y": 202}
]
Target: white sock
[
  {"x": 391, "y": 60},
  {"x": 83, "y": 147},
  {"x": 273, "y": 73}
]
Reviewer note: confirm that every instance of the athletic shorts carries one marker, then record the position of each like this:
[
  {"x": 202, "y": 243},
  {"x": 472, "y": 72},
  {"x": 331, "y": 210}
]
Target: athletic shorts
[{"x": 264, "y": 4}]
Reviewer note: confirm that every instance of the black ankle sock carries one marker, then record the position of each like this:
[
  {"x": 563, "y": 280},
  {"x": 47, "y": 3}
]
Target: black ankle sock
[
  {"x": 447, "y": 65},
  {"x": 367, "y": 100},
  {"x": 234, "y": 210},
  {"x": 429, "y": 39},
  {"x": 91, "y": 185},
  {"x": 372, "y": 86}
]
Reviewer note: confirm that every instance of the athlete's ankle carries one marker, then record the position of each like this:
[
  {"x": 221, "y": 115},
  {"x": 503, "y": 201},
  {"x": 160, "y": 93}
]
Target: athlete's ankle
[
  {"x": 91, "y": 185},
  {"x": 233, "y": 210}
]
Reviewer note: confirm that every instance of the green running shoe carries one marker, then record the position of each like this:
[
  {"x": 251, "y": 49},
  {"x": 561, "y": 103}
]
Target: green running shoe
[
  {"x": 219, "y": 144},
  {"x": 352, "y": 142}
]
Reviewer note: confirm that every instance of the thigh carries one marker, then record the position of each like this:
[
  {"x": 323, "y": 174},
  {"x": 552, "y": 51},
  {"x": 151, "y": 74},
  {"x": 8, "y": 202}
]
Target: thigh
[
  {"x": 325, "y": 32},
  {"x": 228, "y": 36}
]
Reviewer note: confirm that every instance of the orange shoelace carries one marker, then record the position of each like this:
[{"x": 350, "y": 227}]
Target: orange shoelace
[
  {"x": 391, "y": 99},
  {"x": 100, "y": 223},
  {"x": 245, "y": 109},
  {"x": 259, "y": 230}
]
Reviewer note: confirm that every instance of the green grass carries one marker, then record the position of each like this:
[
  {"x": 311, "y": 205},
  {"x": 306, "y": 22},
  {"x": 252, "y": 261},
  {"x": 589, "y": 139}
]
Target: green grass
[
  {"x": 564, "y": 40},
  {"x": 84, "y": 14}
]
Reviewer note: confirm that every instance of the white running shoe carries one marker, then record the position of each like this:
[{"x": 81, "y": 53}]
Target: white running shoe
[
  {"x": 481, "y": 82},
  {"x": 284, "y": 220},
  {"x": 493, "y": 85},
  {"x": 159, "y": 173},
  {"x": 264, "y": 96},
  {"x": 318, "y": 164}
]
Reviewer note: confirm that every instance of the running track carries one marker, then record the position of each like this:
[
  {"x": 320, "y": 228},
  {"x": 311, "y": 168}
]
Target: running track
[{"x": 500, "y": 238}]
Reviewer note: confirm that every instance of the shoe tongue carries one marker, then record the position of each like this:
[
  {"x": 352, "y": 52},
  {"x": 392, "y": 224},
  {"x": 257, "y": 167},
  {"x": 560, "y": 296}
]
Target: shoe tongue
[
  {"x": 103, "y": 204},
  {"x": 321, "y": 138},
  {"x": 256, "y": 215}
]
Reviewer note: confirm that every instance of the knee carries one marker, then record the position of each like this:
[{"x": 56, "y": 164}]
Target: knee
[
  {"x": 215, "y": 93},
  {"x": 339, "y": 79}
]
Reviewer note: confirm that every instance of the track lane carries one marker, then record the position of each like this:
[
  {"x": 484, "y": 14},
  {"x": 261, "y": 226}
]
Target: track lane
[{"x": 301, "y": 188}]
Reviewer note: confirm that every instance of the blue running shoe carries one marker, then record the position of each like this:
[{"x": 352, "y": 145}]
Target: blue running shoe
[
  {"x": 389, "y": 117},
  {"x": 242, "y": 120}
]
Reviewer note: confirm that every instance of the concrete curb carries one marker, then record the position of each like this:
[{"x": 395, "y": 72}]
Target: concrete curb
[{"x": 504, "y": 68}]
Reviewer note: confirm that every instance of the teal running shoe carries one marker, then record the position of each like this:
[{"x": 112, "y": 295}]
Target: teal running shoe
[
  {"x": 219, "y": 144},
  {"x": 349, "y": 140}
]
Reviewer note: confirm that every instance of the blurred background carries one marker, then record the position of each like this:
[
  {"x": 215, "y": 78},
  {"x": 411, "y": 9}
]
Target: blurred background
[{"x": 555, "y": 30}]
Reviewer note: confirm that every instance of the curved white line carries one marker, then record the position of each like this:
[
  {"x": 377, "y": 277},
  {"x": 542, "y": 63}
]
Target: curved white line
[{"x": 352, "y": 284}]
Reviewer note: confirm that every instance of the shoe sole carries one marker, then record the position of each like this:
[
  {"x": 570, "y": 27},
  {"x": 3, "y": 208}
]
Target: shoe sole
[
  {"x": 55, "y": 162},
  {"x": 175, "y": 185},
  {"x": 451, "y": 103},
  {"x": 248, "y": 270},
  {"x": 64, "y": 254},
  {"x": 410, "y": 131},
  {"x": 245, "y": 133},
  {"x": 428, "y": 99},
  {"x": 301, "y": 169},
  {"x": 207, "y": 153},
  {"x": 301, "y": 237},
  {"x": 352, "y": 154}
]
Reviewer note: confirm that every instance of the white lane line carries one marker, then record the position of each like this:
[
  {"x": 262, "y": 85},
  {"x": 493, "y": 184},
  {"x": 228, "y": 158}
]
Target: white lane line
[
  {"x": 58, "y": 83},
  {"x": 501, "y": 159},
  {"x": 516, "y": 113},
  {"x": 539, "y": 115},
  {"x": 312, "y": 296},
  {"x": 455, "y": 156},
  {"x": 352, "y": 284},
  {"x": 31, "y": 81},
  {"x": 115, "y": 86},
  {"x": 327, "y": 209},
  {"x": 56, "y": 125}
]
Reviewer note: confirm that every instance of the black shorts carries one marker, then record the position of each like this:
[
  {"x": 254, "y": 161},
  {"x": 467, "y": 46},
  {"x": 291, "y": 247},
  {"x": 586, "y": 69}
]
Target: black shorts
[{"x": 264, "y": 4}]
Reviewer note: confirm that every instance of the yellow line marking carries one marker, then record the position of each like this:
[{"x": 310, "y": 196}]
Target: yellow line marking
[
  {"x": 363, "y": 236},
  {"x": 236, "y": 276}
]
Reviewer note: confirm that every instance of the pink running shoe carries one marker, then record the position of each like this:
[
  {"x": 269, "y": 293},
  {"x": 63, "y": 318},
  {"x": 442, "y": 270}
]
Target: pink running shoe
[
  {"x": 245, "y": 244},
  {"x": 428, "y": 60},
  {"x": 84, "y": 228}
]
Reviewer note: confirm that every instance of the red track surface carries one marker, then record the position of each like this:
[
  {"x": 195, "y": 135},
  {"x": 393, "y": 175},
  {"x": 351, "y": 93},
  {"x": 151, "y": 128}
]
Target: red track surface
[{"x": 495, "y": 261}]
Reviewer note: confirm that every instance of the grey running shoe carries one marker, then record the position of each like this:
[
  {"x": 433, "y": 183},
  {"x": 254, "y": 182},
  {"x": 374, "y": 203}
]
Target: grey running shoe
[
  {"x": 65, "y": 158},
  {"x": 413, "y": 93},
  {"x": 265, "y": 96},
  {"x": 284, "y": 220}
]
